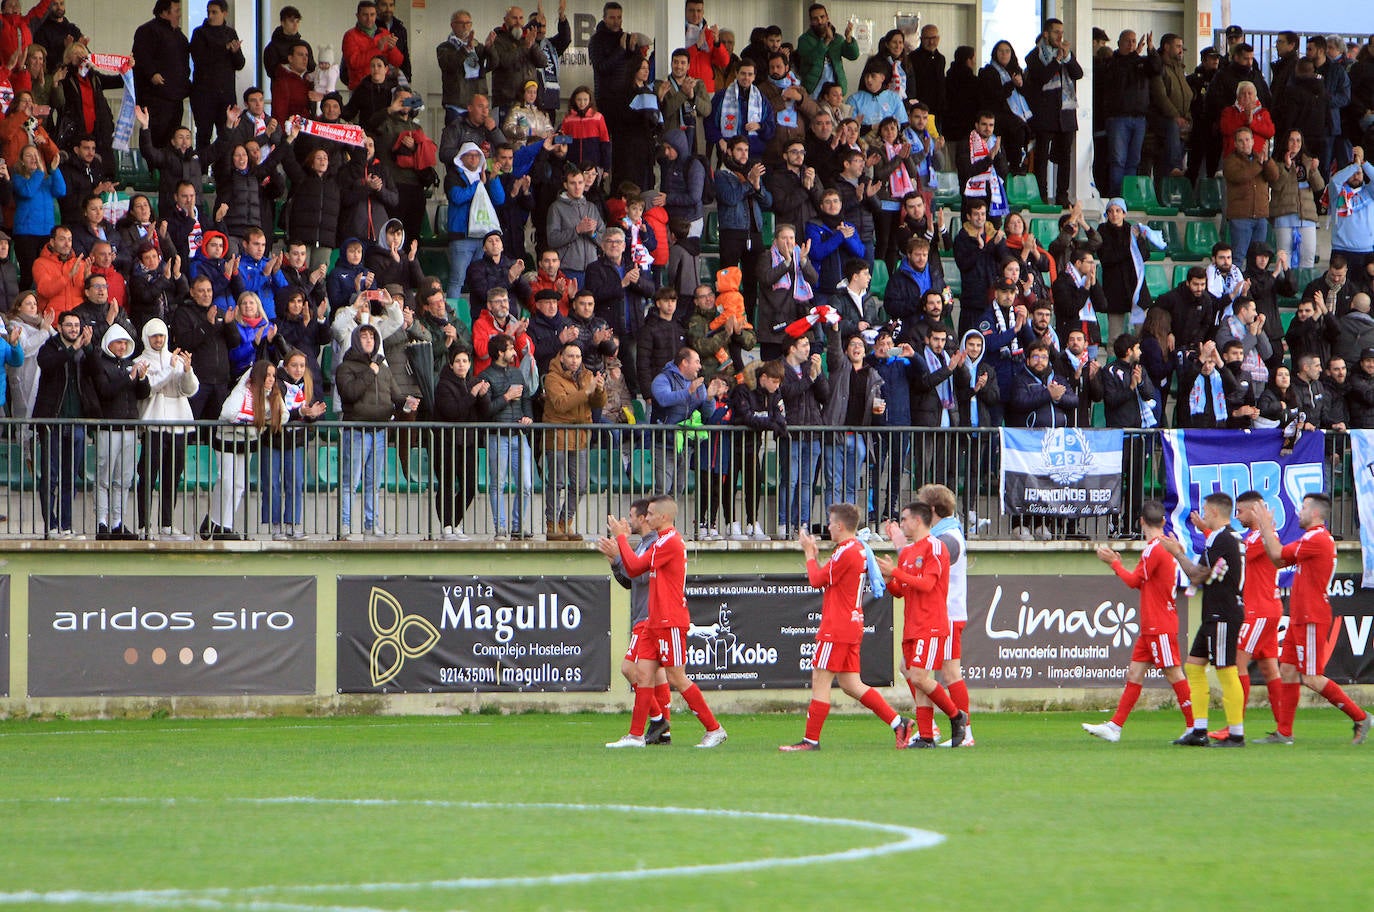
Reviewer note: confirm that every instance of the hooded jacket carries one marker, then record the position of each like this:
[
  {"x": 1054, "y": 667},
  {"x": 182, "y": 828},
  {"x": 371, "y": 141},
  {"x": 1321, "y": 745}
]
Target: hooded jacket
[
  {"x": 388, "y": 271},
  {"x": 367, "y": 396},
  {"x": 170, "y": 385},
  {"x": 989, "y": 398},
  {"x": 227, "y": 288},
  {"x": 113, "y": 393},
  {"x": 682, "y": 179},
  {"x": 575, "y": 250}
]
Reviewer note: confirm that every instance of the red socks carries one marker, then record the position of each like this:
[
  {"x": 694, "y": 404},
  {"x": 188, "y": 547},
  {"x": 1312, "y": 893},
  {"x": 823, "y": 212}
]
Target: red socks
[
  {"x": 940, "y": 697},
  {"x": 925, "y": 721},
  {"x": 697, "y": 704},
  {"x": 1337, "y": 698},
  {"x": 958, "y": 692},
  {"x": 815, "y": 720},
  {"x": 1129, "y": 695},
  {"x": 1245, "y": 688},
  {"x": 663, "y": 696},
  {"x": 1185, "y": 701},
  {"x": 644, "y": 705},
  {"x": 1275, "y": 688},
  {"x": 874, "y": 703},
  {"x": 911, "y": 686},
  {"x": 1288, "y": 707}
]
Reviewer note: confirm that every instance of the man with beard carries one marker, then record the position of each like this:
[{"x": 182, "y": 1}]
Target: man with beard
[{"x": 1191, "y": 309}]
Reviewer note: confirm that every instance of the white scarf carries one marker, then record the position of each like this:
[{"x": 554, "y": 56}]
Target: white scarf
[{"x": 730, "y": 123}]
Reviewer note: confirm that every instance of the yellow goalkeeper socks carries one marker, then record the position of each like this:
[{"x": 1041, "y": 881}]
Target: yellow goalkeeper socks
[
  {"x": 1232, "y": 698},
  {"x": 1197, "y": 684}
]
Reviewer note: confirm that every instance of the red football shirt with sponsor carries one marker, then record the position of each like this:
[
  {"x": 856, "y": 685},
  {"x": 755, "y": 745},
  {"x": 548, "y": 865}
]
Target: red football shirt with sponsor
[
  {"x": 666, "y": 564},
  {"x": 1156, "y": 578},
  {"x": 842, "y": 609},
  {"x": 1314, "y": 556},
  {"x": 1261, "y": 592},
  {"x": 922, "y": 581}
]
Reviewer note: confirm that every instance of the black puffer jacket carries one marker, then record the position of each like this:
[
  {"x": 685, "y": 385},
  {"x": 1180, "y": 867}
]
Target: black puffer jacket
[
  {"x": 1359, "y": 398},
  {"x": 207, "y": 340},
  {"x": 367, "y": 396},
  {"x": 659, "y": 341},
  {"x": 172, "y": 167},
  {"x": 112, "y": 393},
  {"x": 248, "y": 193},
  {"x": 153, "y": 294},
  {"x": 314, "y": 204},
  {"x": 365, "y": 210}
]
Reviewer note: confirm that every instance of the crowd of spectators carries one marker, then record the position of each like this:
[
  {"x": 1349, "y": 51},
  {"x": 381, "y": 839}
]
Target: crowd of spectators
[{"x": 576, "y": 233}]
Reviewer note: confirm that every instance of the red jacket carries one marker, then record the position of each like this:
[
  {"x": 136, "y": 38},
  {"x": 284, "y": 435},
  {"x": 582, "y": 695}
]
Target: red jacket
[
  {"x": 290, "y": 95},
  {"x": 59, "y": 283},
  {"x": 483, "y": 329},
  {"x": 540, "y": 283},
  {"x": 700, "y": 63},
  {"x": 359, "y": 49},
  {"x": 15, "y": 33}
]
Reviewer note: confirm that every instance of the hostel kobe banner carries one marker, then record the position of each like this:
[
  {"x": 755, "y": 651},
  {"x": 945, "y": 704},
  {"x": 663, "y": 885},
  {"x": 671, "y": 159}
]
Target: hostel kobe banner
[
  {"x": 1362, "y": 457},
  {"x": 759, "y": 632},
  {"x": 1198, "y": 463},
  {"x": 1061, "y": 471},
  {"x": 416, "y": 634},
  {"x": 1351, "y": 640},
  {"x": 164, "y": 636},
  {"x": 1053, "y": 631}
]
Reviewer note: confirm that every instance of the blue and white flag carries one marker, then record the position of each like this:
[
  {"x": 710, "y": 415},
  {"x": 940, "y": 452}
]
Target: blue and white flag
[
  {"x": 1061, "y": 471},
  {"x": 1201, "y": 462},
  {"x": 1362, "y": 459}
]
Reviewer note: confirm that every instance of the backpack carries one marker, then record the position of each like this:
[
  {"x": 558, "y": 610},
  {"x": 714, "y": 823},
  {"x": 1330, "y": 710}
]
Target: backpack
[{"x": 708, "y": 186}]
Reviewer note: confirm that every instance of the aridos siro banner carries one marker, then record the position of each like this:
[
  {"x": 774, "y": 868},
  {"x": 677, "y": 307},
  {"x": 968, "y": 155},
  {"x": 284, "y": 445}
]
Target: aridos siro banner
[
  {"x": 1053, "y": 631},
  {"x": 414, "y": 634},
  {"x": 759, "y": 632},
  {"x": 1061, "y": 471},
  {"x": 133, "y": 636}
]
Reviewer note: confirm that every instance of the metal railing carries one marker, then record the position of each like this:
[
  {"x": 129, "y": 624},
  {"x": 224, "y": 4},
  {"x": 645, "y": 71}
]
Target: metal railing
[{"x": 454, "y": 482}]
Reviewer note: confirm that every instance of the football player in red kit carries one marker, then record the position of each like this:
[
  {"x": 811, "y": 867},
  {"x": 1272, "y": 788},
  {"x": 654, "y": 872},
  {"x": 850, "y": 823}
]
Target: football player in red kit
[
  {"x": 666, "y": 629},
  {"x": 842, "y": 629},
  {"x": 920, "y": 576},
  {"x": 1156, "y": 578},
  {"x": 1304, "y": 654}
]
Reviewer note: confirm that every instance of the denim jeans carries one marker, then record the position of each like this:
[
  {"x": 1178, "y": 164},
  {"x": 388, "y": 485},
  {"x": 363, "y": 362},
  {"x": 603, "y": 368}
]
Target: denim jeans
[
  {"x": 795, "y": 485},
  {"x": 1125, "y": 136},
  {"x": 845, "y": 459},
  {"x": 1243, "y": 232},
  {"x": 508, "y": 452},
  {"x": 281, "y": 480},
  {"x": 461, "y": 252},
  {"x": 361, "y": 452},
  {"x": 64, "y": 454}
]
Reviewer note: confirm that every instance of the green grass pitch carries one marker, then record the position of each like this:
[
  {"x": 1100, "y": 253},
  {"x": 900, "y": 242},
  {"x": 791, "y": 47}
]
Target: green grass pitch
[{"x": 485, "y": 812}]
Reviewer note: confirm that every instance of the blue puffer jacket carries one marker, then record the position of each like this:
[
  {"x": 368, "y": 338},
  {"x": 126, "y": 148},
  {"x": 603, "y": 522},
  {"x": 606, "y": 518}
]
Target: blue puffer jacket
[{"x": 34, "y": 198}]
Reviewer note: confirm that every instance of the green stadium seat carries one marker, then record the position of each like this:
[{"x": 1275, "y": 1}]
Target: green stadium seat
[
  {"x": 1139, "y": 193},
  {"x": 395, "y": 479},
  {"x": 1045, "y": 230},
  {"x": 1177, "y": 192},
  {"x": 1210, "y": 197},
  {"x": 18, "y": 476},
  {"x": 201, "y": 469},
  {"x": 637, "y": 406},
  {"x": 1180, "y": 274},
  {"x": 708, "y": 264},
  {"x": 1303, "y": 276},
  {"x": 947, "y": 191},
  {"x": 1173, "y": 238},
  {"x": 1286, "y": 317},
  {"x": 879, "y": 283},
  {"x": 766, "y": 230},
  {"x": 326, "y": 469},
  {"x": 1023, "y": 192},
  {"x": 710, "y": 236},
  {"x": 1200, "y": 237},
  {"x": 642, "y": 470},
  {"x": 1157, "y": 278}
]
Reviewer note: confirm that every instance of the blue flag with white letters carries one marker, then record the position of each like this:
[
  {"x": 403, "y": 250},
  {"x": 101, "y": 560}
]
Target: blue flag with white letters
[{"x": 1200, "y": 462}]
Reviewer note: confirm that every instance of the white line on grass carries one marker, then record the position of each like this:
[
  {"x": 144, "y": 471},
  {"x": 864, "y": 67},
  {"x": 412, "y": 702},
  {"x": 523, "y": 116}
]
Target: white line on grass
[
  {"x": 909, "y": 839},
  {"x": 323, "y": 726}
]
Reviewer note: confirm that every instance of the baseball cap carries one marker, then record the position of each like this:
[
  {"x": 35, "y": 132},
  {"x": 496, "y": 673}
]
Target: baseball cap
[
  {"x": 1004, "y": 285},
  {"x": 1367, "y": 353},
  {"x": 1210, "y": 51},
  {"x": 1235, "y": 31}
]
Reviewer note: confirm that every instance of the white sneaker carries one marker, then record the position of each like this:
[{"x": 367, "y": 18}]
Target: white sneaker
[
  {"x": 713, "y": 738},
  {"x": 354, "y": 537},
  {"x": 501, "y": 537},
  {"x": 298, "y": 533},
  {"x": 968, "y": 736},
  {"x": 459, "y": 534},
  {"x": 627, "y": 741},
  {"x": 1104, "y": 730},
  {"x": 447, "y": 534},
  {"x": 737, "y": 533},
  {"x": 1023, "y": 533},
  {"x": 1043, "y": 533},
  {"x": 758, "y": 534},
  {"x": 172, "y": 533}
]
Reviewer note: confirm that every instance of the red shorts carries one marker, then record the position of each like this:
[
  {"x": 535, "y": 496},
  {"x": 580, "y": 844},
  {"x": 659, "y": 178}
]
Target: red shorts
[
  {"x": 927, "y": 653},
  {"x": 1159, "y": 649},
  {"x": 669, "y": 645},
  {"x": 836, "y": 657},
  {"x": 1259, "y": 636},
  {"x": 953, "y": 642},
  {"x": 641, "y": 646},
  {"x": 1304, "y": 646}
]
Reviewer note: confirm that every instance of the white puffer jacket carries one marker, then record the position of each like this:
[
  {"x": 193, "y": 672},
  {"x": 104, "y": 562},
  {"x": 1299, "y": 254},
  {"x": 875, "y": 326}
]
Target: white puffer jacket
[{"x": 172, "y": 385}]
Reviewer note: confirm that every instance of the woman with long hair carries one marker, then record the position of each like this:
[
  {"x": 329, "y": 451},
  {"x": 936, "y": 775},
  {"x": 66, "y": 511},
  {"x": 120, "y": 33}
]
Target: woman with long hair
[
  {"x": 999, "y": 91},
  {"x": 1035, "y": 261},
  {"x": 37, "y": 187},
  {"x": 253, "y": 407},
  {"x": 636, "y": 143},
  {"x": 894, "y": 173},
  {"x": 1157, "y": 353},
  {"x": 1293, "y": 200},
  {"x": 281, "y": 469},
  {"x": 1278, "y": 404},
  {"x": 459, "y": 398},
  {"x": 137, "y": 226},
  {"x": 583, "y": 123}
]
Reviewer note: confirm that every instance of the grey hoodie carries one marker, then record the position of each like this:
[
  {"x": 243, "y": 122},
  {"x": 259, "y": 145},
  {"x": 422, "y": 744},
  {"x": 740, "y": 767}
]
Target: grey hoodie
[{"x": 575, "y": 251}]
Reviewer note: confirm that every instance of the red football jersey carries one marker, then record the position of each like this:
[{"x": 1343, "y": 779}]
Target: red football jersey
[
  {"x": 922, "y": 581},
  {"x": 1261, "y": 592},
  {"x": 1314, "y": 555},
  {"x": 666, "y": 564},
  {"x": 1156, "y": 578},
  {"x": 842, "y": 609}
]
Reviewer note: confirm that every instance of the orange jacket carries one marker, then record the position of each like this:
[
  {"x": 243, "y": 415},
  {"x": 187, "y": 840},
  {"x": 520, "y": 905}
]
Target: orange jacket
[{"x": 59, "y": 283}]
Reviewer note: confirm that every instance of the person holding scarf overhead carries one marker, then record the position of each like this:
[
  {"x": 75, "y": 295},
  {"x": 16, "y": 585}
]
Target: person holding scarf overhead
[
  {"x": 982, "y": 165},
  {"x": 1202, "y": 390},
  {"x": 1125, "y": 248},
  {"x": 740, "y": 110},
  {"x": 787, "y": 283},
  {"x": 999, "y": 91}
]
